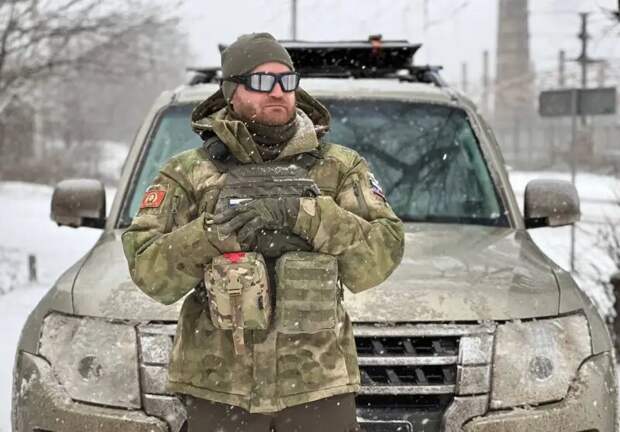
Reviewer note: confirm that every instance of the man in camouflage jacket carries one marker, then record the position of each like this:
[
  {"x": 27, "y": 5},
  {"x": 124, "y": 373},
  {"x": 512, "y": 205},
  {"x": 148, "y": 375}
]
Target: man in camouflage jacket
[{"x": 177, "y": 232}]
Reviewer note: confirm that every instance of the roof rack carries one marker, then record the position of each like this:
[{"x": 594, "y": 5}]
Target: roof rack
[
  {"x": 203, "y": 75},
  {"x": 374, "y": 58}
]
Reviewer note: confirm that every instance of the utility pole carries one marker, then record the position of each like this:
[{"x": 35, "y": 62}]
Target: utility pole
[
  {"x": 294, "y": 19},
  {"x": 584, "y": 60},
  {"x": 562, "y": 69},
  {"x": 464, "y": 81},
  {"x": 573, "y": 171},
  {"x": 485, "y": 82},
  {"x": 601, "y": 77}
]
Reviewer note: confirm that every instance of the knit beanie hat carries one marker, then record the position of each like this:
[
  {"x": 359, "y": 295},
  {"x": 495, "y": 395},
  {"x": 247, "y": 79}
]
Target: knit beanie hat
[{"x": 246, "y": 53}]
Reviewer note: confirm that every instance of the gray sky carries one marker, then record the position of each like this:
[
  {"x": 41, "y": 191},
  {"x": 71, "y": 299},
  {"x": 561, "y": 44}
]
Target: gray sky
[{"x": 452, "y": 31}]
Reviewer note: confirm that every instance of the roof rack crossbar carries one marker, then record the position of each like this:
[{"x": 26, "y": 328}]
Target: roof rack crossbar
[
  {"x": 374, "y": 58},
  {"x": 419, "y": 74}
]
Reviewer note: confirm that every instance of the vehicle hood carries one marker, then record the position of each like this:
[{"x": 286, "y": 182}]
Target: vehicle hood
[
  {"x": 448, "y": 273},
  {"x": 462, "y": 273}
]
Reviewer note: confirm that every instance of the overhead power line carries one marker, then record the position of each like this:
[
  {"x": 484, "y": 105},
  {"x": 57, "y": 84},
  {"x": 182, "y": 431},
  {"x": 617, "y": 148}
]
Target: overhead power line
[{"x": 448, "y": 17}]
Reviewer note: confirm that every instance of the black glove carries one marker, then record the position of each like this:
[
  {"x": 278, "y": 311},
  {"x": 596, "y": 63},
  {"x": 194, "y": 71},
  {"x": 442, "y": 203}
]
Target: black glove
[
  {"x": 261, "y": 214},
  {"x": 274, "y": 244}
]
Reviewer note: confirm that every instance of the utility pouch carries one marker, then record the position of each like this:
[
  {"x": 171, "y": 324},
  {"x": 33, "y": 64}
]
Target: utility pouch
[
  {"x": 238, "y": 294},
  {"x": 306, "y": 292}
]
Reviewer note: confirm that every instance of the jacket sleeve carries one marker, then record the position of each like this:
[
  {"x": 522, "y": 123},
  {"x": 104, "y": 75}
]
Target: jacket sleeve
[
  {"x": 358, "y": 226},
  {"x": 168, "y": 244}
]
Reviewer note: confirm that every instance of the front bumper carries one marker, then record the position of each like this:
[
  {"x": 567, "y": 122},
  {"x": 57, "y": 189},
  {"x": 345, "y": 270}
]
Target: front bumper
[
  {"x": 589, "y": 406},
  {"x": 40, "y": 403}
]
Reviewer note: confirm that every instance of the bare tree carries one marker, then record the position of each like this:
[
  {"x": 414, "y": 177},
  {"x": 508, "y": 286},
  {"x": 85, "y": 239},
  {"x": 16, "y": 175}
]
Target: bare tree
[
  {"x": 105, "y": 99},
  {"x": 86, "y": 72},
  {"x": 40, "y": 37}
]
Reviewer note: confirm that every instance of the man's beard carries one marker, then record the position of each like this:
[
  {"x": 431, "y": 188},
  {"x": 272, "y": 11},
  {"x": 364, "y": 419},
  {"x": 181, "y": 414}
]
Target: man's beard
[{"x": 274, "y": 120}]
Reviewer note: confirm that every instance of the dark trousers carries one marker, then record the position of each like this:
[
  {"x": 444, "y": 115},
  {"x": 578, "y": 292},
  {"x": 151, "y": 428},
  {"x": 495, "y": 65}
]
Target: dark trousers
[{"x": 332, "y": 414}]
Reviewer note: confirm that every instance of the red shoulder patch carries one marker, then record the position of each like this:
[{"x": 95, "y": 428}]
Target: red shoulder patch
[{"x": 153, "y": 198}]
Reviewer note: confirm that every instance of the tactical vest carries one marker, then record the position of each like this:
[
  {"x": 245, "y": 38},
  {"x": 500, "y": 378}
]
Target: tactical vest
[
  {"x": 271, "y": 179},
  {"x": 240, "y": 286}
]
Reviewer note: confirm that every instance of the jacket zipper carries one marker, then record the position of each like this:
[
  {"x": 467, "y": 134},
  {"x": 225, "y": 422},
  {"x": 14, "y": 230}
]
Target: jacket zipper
[
  {"x": 360, "y": 199},
  {"x": 172, "y": 214}
]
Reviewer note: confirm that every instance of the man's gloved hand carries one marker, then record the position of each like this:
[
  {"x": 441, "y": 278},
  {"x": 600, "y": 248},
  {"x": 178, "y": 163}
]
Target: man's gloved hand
[
  {"x": 259, "y": 214},
  {"x": 274, "y": 244}
]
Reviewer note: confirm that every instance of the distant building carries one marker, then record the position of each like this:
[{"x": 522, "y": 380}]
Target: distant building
[{"x": 514, "y": 86}]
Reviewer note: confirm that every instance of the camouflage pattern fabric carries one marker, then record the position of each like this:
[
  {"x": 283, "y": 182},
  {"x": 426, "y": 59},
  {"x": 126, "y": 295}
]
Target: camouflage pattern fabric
[
  {"x": 307, "y": 292},
  {"x": 239, "y": 294},
  {"x": 249, "y": 184},
  {"x": 249, "y": 272},
  {"x": 168, "y": 246}
]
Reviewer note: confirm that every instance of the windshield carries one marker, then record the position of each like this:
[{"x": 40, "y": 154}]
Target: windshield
[{"x": 426, "y": 157}]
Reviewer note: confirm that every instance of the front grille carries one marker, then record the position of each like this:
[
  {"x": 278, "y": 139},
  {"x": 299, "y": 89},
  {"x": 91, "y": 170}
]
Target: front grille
[
  {"x": 419, "y": 376},
  {"x": 406, "y": 364},
  {"x": 408, "y": 346},
  {"x": 155, "y": 343},
  {"x": 410, "y": 374}
]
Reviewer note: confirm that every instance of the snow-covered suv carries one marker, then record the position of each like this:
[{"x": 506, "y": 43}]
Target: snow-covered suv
[{"x": 477, "y": 329}]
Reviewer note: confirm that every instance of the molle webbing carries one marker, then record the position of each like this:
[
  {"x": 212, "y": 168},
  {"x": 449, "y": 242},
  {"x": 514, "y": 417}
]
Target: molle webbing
[
  {"x": 239, "y": 294},
  {"x": 267, "y": 180}
]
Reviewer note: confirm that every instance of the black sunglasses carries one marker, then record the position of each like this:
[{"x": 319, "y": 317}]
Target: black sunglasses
[{"x": 264, "y": 82}]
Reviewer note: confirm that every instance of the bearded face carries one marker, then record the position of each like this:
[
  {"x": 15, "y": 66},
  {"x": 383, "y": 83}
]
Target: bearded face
[{"x": 274, "y": 108}]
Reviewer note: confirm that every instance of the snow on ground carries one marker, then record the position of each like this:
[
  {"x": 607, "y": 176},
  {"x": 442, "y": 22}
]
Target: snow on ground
[
  {"x": 28, "y": 229},
  {"x": 25, "y": 228},
  {"x": 14, "y": 309}
]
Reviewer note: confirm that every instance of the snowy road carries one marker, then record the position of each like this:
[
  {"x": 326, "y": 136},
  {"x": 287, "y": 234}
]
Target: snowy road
[{"x": 26, "y": 229}]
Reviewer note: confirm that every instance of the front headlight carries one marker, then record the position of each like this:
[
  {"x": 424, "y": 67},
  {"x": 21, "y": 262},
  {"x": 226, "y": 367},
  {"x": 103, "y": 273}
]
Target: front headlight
[
  {"x": 535, "y": 361},
  {"x": 95, "y": 360}
]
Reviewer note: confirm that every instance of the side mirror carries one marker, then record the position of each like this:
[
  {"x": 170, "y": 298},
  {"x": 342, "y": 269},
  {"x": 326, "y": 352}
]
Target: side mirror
[
  {"x": 79, "y": 202},
  {"x": 551, "y": 203}
]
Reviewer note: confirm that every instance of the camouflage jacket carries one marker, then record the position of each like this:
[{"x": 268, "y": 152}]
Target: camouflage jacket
[{"x": 167, "y": 248}]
